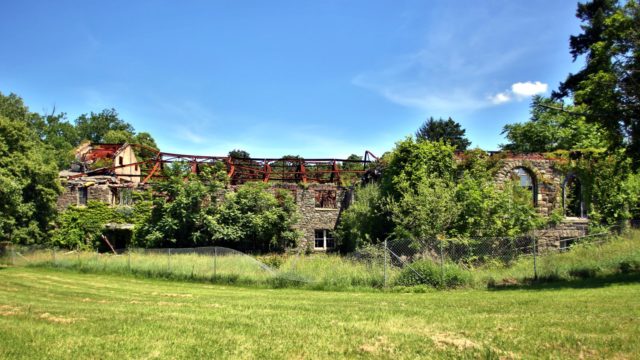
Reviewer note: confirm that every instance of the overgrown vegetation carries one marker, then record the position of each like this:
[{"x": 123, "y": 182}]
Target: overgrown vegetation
[
  {"x": 425, "y": 193},
  {"x": 194, "y": 211}
]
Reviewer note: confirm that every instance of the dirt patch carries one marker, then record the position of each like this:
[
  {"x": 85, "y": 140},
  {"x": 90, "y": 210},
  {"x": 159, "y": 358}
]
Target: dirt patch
[
  {"x": 173, "y": 295},
  {"x": 444, "y": 340},
  {"x": 178, "y": 295},
  {"x": 214, "y": 305},
  {"x": 164, "y": 303},
  {"x": 58, "y": 319},
  {"x": 7, "y": 310},
  {"x": 379, "y": 346}
]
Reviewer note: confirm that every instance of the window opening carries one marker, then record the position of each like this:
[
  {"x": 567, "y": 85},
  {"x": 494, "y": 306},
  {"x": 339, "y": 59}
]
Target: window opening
[
  {"x": 527, "y": 181},
  {"x": 572, "y": 199},
  {"x": 83, "y": 194},
  {"x": 324, "y": 239},
  {"x": 326, "y": 199}
]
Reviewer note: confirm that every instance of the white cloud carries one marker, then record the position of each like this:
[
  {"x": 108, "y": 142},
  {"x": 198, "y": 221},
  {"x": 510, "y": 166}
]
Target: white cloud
[
  {"x": 519, "y": 91},
  {"x": 526, "y": 89},
  {"x": 500, "y": 98}
]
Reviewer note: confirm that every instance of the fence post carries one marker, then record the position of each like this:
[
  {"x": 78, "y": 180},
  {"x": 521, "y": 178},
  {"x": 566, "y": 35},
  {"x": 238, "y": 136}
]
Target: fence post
[
  {"x": 13, "y": 255},
  {"x": 169, "y": 261},
  {"x": 442, "y": 262},
  {"x": 535, "y": 258},
  {"x": 129, "y": 259},
  {"x": 55, "y": 258},
  {"x": 386, "y": 250},
  {"x": 215, "y": 256}
]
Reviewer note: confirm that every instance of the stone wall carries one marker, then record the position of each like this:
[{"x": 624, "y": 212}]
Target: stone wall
[
  {"x": 547, "y": 180},
  {"x": 313, "y": 218},
  {"x": 561, "y": 235},
  {"x": 70, "y": 195}
]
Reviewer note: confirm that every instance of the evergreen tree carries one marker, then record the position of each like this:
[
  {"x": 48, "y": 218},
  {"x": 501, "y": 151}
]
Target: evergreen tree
[{"x": 447, "y": 131}]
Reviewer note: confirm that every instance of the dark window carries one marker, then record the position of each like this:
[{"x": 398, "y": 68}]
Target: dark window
[
  {"x": 319, "y": 242},
  {"x": 324, "y": 239},
  {"x": 120, "y": 160},
  {"x": 83, "y": 194},
  {"x": 326, "y": 199},
  {"x": 572, "y": 200}
]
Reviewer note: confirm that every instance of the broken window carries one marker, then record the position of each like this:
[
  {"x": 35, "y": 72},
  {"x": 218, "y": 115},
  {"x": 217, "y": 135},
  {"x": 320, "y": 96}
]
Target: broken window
[
  {"x": 527, "y": 181},
  {"x": 572, "y": 200},
  {"x": 83, "y": 195},
  {"x": 120, "y": 160},
  {"x": 123, "y": 197},
  {"x": 326, "y": 199},
  {"x": 324, "y": 239}
]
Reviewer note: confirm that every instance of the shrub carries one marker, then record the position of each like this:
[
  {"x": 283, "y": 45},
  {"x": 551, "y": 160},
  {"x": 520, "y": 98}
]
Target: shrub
[
  {"x": 629, "y": 266},
  {"x": 584, "y": 273},
  {"x": 426, "y": 272}
]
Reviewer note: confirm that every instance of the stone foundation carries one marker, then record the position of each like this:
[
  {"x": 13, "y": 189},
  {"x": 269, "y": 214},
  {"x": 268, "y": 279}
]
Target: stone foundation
[{"x": 561, "y": 235}]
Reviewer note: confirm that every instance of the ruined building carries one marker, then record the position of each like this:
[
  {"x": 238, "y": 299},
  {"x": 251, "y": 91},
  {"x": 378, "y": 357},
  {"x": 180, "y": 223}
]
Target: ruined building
[{"x": 111, "y": 173}]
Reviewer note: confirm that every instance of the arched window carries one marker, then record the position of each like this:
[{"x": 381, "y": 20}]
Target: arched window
[
  {"x": 572, "y": 197},
  {"x": 527, "y": 181}
]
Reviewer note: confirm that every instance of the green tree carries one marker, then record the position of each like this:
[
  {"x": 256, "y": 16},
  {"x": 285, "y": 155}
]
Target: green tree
[
  {"x": 411, "y": 162},
  {"x": 365, "y": 221},
  {"x": 28, "y": 183},
  {"x": 239, "y": 154},
  {"x": 553, "y": 128},
  {"x": 448, "y": 131},
  {"x": 609, "y": 83},
  {"x": 95, "y": 126},
  {"x": 419, "y": 187},
  {"x": 255, "y": 219}
]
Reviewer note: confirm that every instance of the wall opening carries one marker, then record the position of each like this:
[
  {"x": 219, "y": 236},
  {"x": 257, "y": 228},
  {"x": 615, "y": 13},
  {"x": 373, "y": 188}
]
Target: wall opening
[
  {"x": 83, "y": 195},
  {"x": 326, "y": 199},
  {"x": 527, "y": 180},
  {"x": 573, "y": 198}
]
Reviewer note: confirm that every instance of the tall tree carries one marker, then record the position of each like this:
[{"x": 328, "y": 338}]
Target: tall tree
[
  {"x": 95, "y": 126},
  {"x": 28, "y": 176},
  {"x": 553, "y": 128},
  {"x": 609, "y": 83},
  {"x": 448, "y": 131}
]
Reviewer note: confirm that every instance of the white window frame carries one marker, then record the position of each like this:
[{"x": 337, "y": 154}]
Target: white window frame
[{"x": 326, "y": 234}]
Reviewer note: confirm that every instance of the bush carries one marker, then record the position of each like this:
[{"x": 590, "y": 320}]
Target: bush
[
  {"x": 629, "y": 266},
  {"x": 426, "y": 272}
]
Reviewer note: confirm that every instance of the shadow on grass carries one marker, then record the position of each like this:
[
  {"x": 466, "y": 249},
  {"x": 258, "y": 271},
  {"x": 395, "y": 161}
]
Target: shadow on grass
[{"x": 553, "y": 283}]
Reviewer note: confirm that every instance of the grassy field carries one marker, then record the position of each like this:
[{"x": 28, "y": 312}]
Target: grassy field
[
  {"x": 602, "y": 259},
  {"x": 57, "y": 313}
]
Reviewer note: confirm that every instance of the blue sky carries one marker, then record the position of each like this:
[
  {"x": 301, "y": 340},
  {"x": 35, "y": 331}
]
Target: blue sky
[{"x": 314, "y": 78}]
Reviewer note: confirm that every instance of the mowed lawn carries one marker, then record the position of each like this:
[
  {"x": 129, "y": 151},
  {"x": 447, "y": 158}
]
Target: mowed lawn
[{"x": 60, "y": 314}]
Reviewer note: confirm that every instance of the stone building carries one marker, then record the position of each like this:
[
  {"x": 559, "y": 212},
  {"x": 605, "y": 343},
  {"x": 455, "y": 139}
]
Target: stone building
[
  {"x": 551, "y": 190},
  {"x": 320, "y": 205},
  {"x": 101, "y": 172}
]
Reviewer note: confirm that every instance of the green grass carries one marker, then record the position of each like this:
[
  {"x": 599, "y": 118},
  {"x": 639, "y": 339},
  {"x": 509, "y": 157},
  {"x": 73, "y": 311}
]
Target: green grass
[
  {"x": 58, "y": 314},
  {"x": 585, "y": 260},
  {"x": 319, "y": 271},
  {"x": 332, "y": 272}
]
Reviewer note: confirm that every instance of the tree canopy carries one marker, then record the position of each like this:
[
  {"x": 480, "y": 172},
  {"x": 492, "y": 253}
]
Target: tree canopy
[
  {"x": 609, "y": 84},
  {"x": 448, "y": 131},
  {"x": 28, "y": 176},
  {"x": 552, "y": 128}
]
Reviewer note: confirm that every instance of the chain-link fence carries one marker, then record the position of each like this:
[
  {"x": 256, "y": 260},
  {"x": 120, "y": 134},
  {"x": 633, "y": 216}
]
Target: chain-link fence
[{"x": 437, "y": 262}]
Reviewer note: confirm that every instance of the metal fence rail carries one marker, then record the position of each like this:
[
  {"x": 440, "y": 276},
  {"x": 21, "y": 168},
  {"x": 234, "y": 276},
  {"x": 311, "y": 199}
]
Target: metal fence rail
[{"x": 372, "y": 266}]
